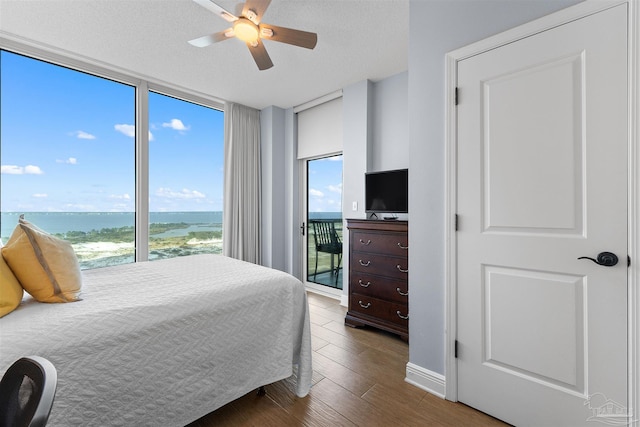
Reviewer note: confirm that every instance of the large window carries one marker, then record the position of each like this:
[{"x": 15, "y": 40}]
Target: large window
[
  {"x": 185, "y": 178},
  {"x": 68, "y": 155}
]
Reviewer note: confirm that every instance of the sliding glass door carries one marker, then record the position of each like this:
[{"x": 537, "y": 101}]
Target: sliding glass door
[{"x": 323, "y": 261}]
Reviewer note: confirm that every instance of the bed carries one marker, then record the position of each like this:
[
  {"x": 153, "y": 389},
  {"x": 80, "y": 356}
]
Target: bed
[{"x": 163, "y": 343}]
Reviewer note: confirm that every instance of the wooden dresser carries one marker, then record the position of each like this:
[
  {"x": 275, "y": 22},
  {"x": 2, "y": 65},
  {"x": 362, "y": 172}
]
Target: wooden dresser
[{"x": 378, "y": 275}]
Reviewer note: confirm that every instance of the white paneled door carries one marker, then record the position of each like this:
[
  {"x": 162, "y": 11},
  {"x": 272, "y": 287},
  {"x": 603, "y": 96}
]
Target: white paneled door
[{"x": 542, "y": 183}]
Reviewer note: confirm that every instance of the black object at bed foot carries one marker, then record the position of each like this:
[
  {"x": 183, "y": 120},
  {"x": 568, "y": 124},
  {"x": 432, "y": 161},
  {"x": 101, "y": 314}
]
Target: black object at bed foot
[{"x": 262, "y": 391}]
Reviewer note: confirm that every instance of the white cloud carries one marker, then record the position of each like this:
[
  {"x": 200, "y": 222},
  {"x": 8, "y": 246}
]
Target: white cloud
[
  {"x": 175, "y": 124},
  {"x": 11, "y": 170},
  {"x": 19, "y": 170},
  {"x": 335, "y": 188},
  {"x": 69, "y": 161},
  {"x": 130, "y": 131},
  {"x": 79, "y": 207},
  {"x": 33, "y": 170},
  {"x": 183, "y": 194},
  {"x": 40, "y": 195},
  {"x": 315, "y": 193},
  {"x": 80, "y": 134},
  {"x": 120, "y": 196}
]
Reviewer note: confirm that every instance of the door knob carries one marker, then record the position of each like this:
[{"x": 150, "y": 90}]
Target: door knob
[{"x": 606, "y": 259}]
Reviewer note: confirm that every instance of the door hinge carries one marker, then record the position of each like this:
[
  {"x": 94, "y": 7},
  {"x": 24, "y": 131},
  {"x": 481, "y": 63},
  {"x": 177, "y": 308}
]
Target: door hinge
[
  {"x": 302, "y": 228},
  {"x": 455, "y": 349},
  {"x": 455, "y": 222},
  {"x": 455, "y": 96}
]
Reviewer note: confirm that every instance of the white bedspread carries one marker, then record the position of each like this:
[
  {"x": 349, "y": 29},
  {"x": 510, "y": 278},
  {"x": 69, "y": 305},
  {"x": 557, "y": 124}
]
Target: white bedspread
[{"x": 163, "y": 343}]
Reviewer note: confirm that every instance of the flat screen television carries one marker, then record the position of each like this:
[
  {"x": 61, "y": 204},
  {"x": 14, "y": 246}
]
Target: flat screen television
[{"x": 387, "y": 191}]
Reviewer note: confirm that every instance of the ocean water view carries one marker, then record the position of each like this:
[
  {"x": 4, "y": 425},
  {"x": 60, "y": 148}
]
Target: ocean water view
[
  {"x": 64, "y": 222},
  {"x": 107, "y": 238},
  {"x": 100, "y": 239}
]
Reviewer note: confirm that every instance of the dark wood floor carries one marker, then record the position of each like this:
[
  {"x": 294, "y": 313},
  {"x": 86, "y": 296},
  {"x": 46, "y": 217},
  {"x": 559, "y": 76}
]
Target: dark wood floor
[{"x": 358, "y": 381}]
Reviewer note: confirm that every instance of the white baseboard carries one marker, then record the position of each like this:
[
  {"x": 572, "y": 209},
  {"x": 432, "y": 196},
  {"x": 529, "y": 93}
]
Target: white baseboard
[
  {"x": 344, "y": 300},
  {"x": 425, "y": 379},
  {"x": 326, "y": 291}
]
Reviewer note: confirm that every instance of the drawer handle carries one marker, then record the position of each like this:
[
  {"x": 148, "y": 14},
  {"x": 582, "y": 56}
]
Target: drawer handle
[
  {"x": 365, "y": 285},
  {"x": 404, "y": 294},
  {"x": 368, "y": 305},
  {"x": 401, "y": 270},
  {"x": 365, "y": 264},
  {"x": 401, "y": 316},
  {"x": 402, "y": 247},
  {"x": 367, "y": 243}
]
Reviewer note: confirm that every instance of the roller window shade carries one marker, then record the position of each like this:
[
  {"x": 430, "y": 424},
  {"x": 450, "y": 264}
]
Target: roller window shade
[{"x": 320, "y": 130}]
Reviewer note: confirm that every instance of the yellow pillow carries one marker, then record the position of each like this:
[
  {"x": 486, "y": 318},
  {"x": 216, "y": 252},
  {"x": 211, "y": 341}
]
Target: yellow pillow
[
  {"x": 10, "y": 290},
  {"x": 45, "y": 266}
]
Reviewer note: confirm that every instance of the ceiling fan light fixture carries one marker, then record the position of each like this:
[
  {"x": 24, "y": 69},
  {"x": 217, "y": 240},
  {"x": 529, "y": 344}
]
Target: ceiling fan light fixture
[
  {"x": 246, "y": 26},
  {"x": 246, "y": 30}
]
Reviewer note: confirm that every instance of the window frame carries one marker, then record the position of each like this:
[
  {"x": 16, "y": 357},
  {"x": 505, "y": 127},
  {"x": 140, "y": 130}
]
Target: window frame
[{"x": 142, "y": 84}]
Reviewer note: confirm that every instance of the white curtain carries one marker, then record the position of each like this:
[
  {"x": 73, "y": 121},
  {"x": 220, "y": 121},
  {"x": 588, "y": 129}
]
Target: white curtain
[{"x": 242, "y": 185}]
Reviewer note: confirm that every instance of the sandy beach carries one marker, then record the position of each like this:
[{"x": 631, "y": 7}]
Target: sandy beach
[{"x": 93, "y": 250}]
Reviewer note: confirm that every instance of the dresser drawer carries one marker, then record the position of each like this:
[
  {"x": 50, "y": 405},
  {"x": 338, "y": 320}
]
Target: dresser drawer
[
  {"x": 378, "y": 275},
  {"x": 386, "y": 311},
  {"x": 393, "y": 244},
  {"x": 369, "y": 263},
  {"x": 380, "y": 287}
]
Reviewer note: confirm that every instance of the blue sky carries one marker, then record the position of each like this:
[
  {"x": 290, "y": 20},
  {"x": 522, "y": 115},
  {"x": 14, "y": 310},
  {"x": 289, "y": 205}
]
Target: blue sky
[
  {"x": 67, "y": 144},
  {"x": 325, "y": 185}
]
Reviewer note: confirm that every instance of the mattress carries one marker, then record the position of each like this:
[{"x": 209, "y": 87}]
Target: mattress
[{"x": 163, "y": 343}]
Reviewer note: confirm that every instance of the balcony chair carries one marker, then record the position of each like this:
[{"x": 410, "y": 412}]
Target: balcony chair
[{"x": 327, "y": 240}]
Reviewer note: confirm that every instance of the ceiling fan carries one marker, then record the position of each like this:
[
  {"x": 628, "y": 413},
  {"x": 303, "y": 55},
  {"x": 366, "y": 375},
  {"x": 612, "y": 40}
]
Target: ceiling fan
[{"x": 248, "y": 28}]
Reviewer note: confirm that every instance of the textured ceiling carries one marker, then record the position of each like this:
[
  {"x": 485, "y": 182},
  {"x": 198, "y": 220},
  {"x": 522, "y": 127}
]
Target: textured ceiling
[{"x": 357, "y": 40}]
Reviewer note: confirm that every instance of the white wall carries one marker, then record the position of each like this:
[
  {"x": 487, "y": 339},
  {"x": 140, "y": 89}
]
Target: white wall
[
  {"x": 356, "y": 146},
  {"x": 273, "y": 177},
  {"x": 437, "y": 27},
  {"x": 390, "y": 127},
  {"x": 280, "y": 185}
]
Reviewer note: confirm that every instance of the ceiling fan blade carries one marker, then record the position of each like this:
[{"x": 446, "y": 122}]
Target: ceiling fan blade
[
  {"x": 258, "y": 7},
  {"x": 289, "y": 35},
  {"x": 260, "y": 55},
  {"x": 221, "y": 12},
  {"x": 210, "y": 39}
]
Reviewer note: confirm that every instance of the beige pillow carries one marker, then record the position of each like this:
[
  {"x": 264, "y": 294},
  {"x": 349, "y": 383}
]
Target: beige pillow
[
  {"x": 10, "y": 290},
  {"x": 45, "y": 266}
]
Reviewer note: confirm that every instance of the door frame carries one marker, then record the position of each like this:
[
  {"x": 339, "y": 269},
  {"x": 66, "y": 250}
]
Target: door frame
[
  {"x": 304, "y": 219},
  {"x": 586, "y": 8}
]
